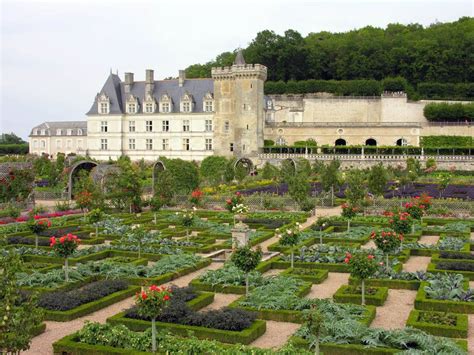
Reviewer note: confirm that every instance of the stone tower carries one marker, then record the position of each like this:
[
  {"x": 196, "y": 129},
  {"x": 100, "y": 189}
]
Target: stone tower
[{"x": 239, "y": 107}]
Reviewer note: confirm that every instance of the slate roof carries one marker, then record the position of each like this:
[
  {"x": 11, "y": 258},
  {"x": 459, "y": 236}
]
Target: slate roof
[
  {"x": 52, "y": 127},
  {"x": 114, "y": 89}
]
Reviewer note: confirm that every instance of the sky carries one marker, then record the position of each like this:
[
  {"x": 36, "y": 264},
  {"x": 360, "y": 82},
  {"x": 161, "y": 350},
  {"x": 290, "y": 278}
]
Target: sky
[{"x": 56, "y": 55}]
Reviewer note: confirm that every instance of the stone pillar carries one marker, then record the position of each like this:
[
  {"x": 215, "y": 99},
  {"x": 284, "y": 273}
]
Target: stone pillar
[{"x": 240, "y": 235}]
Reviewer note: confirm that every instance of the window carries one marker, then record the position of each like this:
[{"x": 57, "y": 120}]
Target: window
[
  {"x": 131, "y": 126},
  {"x": 165, "y": 126},
  {"x": 131, "y": 144},
  {"x": 43, "y": 132},
  {"x": 69, "y": 144},
  {"x": 186, "y": 126},
  {"x": 186, "y": 107},
  {"x": 149, "y": 107},
  {"x": 58, "y": 144},
  {"x": 208, "y": 143},
  {"x": 59, "y": 132},
  {"x": 149, "y": 126},
  {"x": 226, "y": 126},
  {"x": 35, "y": 144},
  {"x": 132, "y": 108},
  {"x": 243, "y": 147},
  {"x": 104, "y": 107},
  {"x": 103, "y": 126},
  {"x": 43, "y": 144},
  {"x": 165, "y": 144},
  {"x": 185, "y": 143},
  {"x": 79, "y": 132},
  {"x": 208, "y": 106},
  {"x": 79, "y": 144},
  {"x": 208, "y": 126},
  {"x": 69, "y": 132},
  {"x": 149, "y": 144},
  {"x": 165, "y": 107},
  {"x": 35, "y": 132},
  {"x": 231, "y": 147},
  {"x": 103, "y": 144}
]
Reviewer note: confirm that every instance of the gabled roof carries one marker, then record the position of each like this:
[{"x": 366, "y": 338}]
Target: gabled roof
[
  {"x": 52, "y": 127},
  {"x": 115, "y": 90}
]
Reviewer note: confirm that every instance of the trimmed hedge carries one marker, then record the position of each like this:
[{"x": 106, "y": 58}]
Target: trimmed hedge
[
  {"x": 432, "y": 267},
  {"x": 389, "y": 283},
  {"x": 245, "y": 336},
  {"x": 449, "y": 112},
  {"x": 452, "y": 331},
  {"x": 316, "y": 277},
  {"x": 20, "y": 149},
  {"x": 87, "y": 308},
  {"x": 378, "y": 299},
  {"x": 426, "y": 304}
]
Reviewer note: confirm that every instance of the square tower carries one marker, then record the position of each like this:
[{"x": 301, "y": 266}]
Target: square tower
[{"x": 239, "y": 108}]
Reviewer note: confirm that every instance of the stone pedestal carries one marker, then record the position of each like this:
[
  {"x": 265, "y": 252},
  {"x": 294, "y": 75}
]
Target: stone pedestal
[{"x": 240, "y": 235}]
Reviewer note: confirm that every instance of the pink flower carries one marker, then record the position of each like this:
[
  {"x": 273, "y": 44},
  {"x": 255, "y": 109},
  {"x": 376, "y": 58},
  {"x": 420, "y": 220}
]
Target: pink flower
[{"x": 370, "y": 257}]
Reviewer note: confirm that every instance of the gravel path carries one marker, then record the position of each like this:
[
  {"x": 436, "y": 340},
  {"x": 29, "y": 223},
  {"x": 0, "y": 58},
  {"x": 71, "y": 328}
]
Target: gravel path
[
  {"x": 272, "y": 272},
  {"x": 470, "y": 334},
  {"x": 416, "y": 263},
  {"x": 221, "y": 300},
  {"x": 394, "y": 313},
  {"x": 276, "y": 335},
  {"x": 429, "y": 239},
  {"x": 42, "y": 344},
  {"x": 328, "y": 287},
  {"x": 265, "y": 244}
]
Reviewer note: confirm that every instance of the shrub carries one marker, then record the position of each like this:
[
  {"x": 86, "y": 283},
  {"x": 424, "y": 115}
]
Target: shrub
[
  {"x": 64, "y": 301},
  {"x": 459, "y": 266},
  {"x": 449, "y": 112},
  {"x": 455, "y": 255}
]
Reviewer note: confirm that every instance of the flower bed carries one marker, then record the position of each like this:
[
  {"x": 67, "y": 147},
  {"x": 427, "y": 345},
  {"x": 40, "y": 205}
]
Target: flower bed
[
  {"x": 450, "y": 325},
  {"x": 375, "y": 296},
  {"x": 66, "y": 306},
  {"x": 226, "y": 325}
]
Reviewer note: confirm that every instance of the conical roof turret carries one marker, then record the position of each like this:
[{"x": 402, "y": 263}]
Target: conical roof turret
[{"x": 239, "y": 58}]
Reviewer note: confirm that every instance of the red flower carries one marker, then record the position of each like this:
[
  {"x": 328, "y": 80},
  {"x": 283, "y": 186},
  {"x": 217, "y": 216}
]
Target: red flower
[
  {"x": 62, "y": 239},
  {"x": 36, "y": 217},
  {"x": 228, "y": 201},
  {"x": 370, "y": 257},
  {"x": 166, "y": 298},
  {"x": 346, "y": 260},
  {"x": 52, "y": 241},
  {"x": 144, "y": 296},
  {"x": 237, "y": 193},
  {"x": 154, "y": 288}
]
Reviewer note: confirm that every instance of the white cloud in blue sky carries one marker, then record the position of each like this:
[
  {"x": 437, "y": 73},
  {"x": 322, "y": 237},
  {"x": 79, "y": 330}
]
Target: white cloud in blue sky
[{"x": 55, "y": 55}]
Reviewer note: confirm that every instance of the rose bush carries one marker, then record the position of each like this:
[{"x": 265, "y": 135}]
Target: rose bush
[
  {"x": 362, "y": 265},
  {"x": 64, "y": 247},
  {"x": 150, "y": 303},
  {"x": 387, "y": 240}
]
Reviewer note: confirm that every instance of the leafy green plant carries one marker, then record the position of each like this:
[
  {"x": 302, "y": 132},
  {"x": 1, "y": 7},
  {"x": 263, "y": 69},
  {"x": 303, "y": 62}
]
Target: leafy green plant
[
  {"x": 362, "y": 265},
  {"x": 448, "y": 287}
]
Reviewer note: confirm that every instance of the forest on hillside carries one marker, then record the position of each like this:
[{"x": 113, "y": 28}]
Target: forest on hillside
[{"x": 439, "y": 53}]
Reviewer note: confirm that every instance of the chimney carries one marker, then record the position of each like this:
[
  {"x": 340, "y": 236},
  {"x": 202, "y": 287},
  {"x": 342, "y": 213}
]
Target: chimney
[
  {"x": 182, "y": 77},
  {"x": 149, "y": 76},
  {"x": 149, "y": 82},
  {"x": 128, "y": 82}
]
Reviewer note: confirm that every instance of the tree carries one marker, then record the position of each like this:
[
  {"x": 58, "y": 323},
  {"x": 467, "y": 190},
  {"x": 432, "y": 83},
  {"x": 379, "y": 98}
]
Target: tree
[
  {"x": 315, "y": 323},
  {"x": 64, "y": 247},
  {"x": 94, "y": 217},
  {"x": 443, "y": 182},
  {"x": 86, "y": 193},
  {"x": 298, "y": 189},
  {"x": 164, "y": 188},
  {"x": 269, "y": 171},
  {"x": 246, "y": 260},
  {"x": 212, "y": 169},
  {"x": 124, "y": 188},
  {"x": 150, "y": 303},
  {"x": 38, "y": 225},
  {"x": 377, "y": 179},
  {"x": 185, "y": 175},
  {"x": 330, "y": 177},
  {"x": 362, "y": 265},
  {"x": 19, "y": 315},
  {"x": 11, "y": 138},
  {"x": 16, "y": 185},
  {"x": 136, "y": 236},
  {"x": 356, "y": 189},
  {"x": 388, "y": 241},
  {"x": 290, "y": 237}
]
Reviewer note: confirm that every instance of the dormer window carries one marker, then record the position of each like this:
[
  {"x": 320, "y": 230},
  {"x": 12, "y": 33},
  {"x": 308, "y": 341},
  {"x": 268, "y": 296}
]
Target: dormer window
[
  {"x": 79, "y": 132},
  {"x": 166, "y": 104},
  {"x": 208, "y": 102},
  {"x": 187, "y": 103},
  {"x": 132, "y": 104},
  {"x": 104, "y": 104},
  {"x": 43, "y": 132},
  {"x": 59, "y": 132},
  {"x": 69, "y": 132},
  {"x": 35, "y": 132},
  {"x": 149, "y": 104}
]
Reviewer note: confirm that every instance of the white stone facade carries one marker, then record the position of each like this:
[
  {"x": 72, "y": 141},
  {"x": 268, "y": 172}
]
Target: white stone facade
[{"x": 59, "y": 137}]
